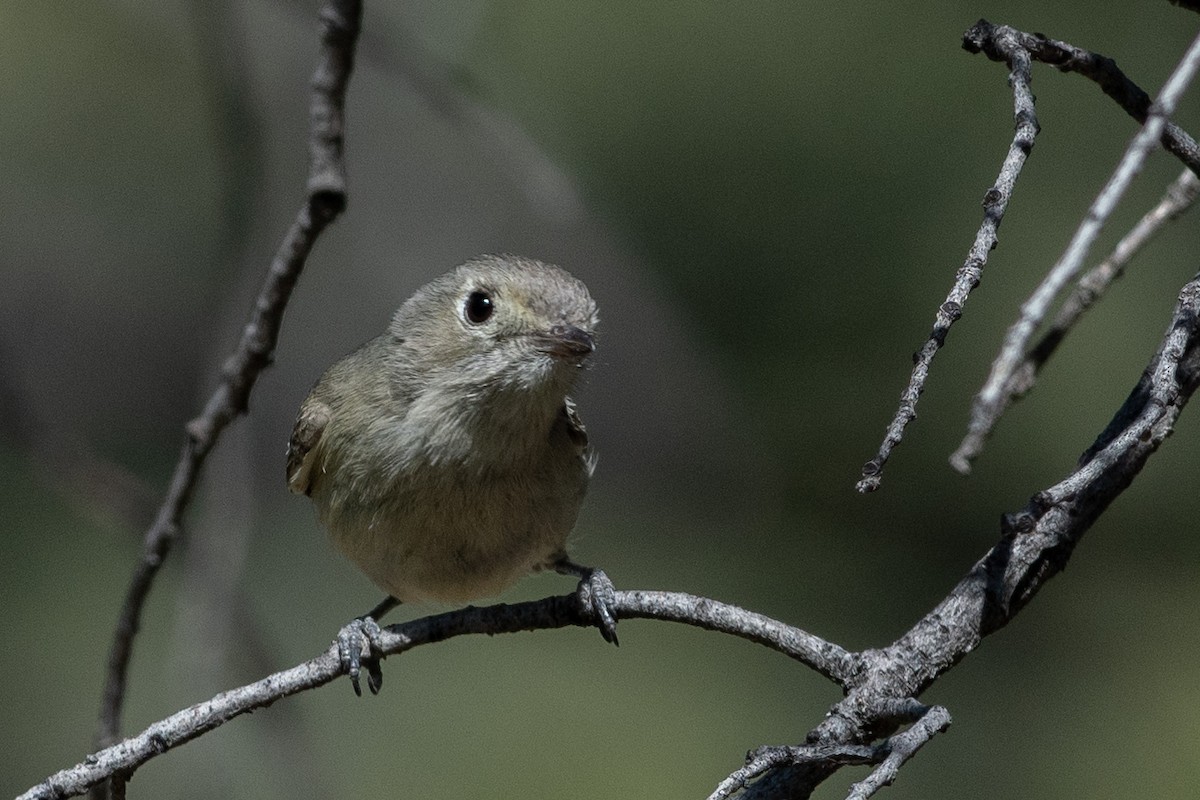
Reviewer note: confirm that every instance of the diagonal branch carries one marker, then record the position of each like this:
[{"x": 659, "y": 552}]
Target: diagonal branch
[
  {"x": 1179, "y": 197},
  {"x": 764, "y": 759},
  {"x": 900, "y": 748},
  {"x": 995, "y": 202},
  {"x": 993, "y": 398},
  {"x": 551, "y": 612},
  {"x": 325, "y": 201}
]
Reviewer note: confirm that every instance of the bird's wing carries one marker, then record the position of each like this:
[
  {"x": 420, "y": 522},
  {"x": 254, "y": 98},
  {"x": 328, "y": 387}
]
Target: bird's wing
[
  {"x": 575, "y": 429},
  {"x": 302, "y": 448}
]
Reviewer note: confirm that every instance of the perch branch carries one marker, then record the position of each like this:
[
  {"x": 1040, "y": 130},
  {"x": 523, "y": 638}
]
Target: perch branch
[
  {"x": 325, "y": 201},
  {"x": 552, "y": 612},
  {"x": 1180, "y": 196},
  {"x": 992, "y": 398}
]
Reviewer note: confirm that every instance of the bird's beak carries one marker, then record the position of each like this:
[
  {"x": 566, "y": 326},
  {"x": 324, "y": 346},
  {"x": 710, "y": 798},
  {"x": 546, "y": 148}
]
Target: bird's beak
[{"x": 567, "y": 342}]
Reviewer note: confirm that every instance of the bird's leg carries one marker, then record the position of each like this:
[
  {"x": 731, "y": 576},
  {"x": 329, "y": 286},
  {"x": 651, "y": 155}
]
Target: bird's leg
[
  {"x": 350, "y": 641},
  {"x": 596, "y": 593}
]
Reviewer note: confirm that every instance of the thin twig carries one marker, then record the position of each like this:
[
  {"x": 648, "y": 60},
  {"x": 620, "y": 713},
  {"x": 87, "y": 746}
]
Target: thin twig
[
  {"x": 760, "y": 761},
  {"x": 325, "y": 200},
  {"x": 1180, "y": 195},
  {"x": 900, "y": 748},
  {"x": 992, "y": 400},
  {"x": 995, "y": 202},
  {"x": 552, "y": 612},
  {"x": 890, "y": 754},
  {"x": 1102, "y": 70}
]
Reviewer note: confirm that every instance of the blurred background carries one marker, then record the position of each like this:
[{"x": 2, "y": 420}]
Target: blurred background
[{"x": 768, "y": 200}]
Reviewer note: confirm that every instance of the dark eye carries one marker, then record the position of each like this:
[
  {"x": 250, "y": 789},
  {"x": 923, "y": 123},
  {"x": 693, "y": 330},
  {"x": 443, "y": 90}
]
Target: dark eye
[{"x": 479, "y": 307}]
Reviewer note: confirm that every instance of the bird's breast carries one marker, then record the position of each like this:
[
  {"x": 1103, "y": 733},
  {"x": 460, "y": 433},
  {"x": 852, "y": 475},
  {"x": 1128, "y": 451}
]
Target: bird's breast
[{"x": 458, "y": 517}]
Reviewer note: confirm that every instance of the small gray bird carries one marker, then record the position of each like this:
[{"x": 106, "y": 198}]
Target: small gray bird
[{"x": 445, "y": 457}]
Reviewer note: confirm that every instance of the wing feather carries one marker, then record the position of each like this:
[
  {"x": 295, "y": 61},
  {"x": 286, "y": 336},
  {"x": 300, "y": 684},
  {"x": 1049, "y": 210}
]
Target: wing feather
[
  {"x": 302, "y": 447},
  {"x": 575, "y": 429}
]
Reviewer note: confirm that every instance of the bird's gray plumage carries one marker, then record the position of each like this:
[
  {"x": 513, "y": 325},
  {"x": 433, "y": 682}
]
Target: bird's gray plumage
[{"x": 445, "y": 456}]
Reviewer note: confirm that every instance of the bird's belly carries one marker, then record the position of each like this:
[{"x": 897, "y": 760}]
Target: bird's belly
[{"x": 445, "y": 540}]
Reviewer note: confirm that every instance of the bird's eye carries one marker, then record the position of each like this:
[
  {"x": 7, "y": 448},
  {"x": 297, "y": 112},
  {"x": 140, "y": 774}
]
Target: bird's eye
[{"x": 478, "y": 307}]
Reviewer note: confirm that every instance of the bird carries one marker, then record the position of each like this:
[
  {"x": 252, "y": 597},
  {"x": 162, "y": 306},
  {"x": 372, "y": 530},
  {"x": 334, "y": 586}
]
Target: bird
[{"x": 445, "y": 457}]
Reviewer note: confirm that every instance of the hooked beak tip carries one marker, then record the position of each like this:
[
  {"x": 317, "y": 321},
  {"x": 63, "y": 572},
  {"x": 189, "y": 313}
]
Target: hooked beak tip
[{"x": 570, "y": 342}]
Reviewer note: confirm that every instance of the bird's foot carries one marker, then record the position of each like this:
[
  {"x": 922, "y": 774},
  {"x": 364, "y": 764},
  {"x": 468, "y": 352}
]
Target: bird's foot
[
  {"x": 359, "y": 635},
  {"x": 597, "y": 595}
]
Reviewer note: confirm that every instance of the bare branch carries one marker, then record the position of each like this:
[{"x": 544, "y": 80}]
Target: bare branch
[
  {"x": 1093, "y": 66},
  {"x": 760, "y": 761},
  {"x": 325, "y": 200},
  {"x": 1015, "y": 48},
  {"x": 992, "y": 398},
  {"x": 1035, "y": 546},
  {"x": 1090, "y": 288},
  {"x": 824, "y": 657},
  {"x": 890, "y": 754},
  {"x": 995, "y": 202},
  {"x": 900, "y": 748},
  {"x": 552, "y": 612}
]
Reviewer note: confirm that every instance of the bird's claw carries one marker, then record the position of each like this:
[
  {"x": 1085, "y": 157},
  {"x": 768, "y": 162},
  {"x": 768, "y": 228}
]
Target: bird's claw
[
  {"x": 350, "y": 643},
  {"x": 599, "y": 598}
]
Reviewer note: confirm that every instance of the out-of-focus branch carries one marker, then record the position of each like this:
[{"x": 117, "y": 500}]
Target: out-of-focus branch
[
  {"x": 551, "y": 612},
  {"x": 446, "y": 89},
  {"x": 1179, "y": 197},
  {"x": 326, "y": 199},
  {"x": 993, "y": 398},
  {"x": 995, "y": 202}
]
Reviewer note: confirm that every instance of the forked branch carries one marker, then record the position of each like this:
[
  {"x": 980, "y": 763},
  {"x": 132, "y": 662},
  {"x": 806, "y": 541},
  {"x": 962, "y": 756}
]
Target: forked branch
[{"x": 994, "y": 397}]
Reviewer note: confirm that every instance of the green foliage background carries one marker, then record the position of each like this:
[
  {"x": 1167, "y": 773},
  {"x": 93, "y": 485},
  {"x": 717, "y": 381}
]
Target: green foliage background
[{"x": 768, "y": 199}]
